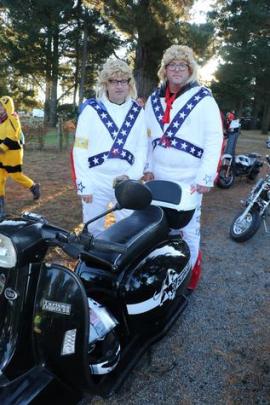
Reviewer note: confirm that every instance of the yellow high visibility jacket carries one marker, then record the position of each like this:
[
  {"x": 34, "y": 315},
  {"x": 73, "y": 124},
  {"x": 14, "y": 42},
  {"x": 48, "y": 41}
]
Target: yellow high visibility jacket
[{"x": 10, "y": 131}]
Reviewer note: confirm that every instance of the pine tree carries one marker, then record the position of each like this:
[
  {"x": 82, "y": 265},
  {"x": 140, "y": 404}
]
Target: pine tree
[
  {"x": 43, "y": 44},
  {"x": 244, "y": 31},
  {"x": 149, "y": 27}
]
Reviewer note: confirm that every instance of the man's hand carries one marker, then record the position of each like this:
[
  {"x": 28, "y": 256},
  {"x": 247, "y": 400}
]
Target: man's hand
[
  {"x": 148, "y": 176},
  {"x": 1, "y": 151},
  {"x": 200, "y": 189},
  {"x": 87, "y": 198},
  {"x": 140, "y": 101}
]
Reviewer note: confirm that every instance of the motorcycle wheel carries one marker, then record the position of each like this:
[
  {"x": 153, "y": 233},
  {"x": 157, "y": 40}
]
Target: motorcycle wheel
[
  {"x": 240, "y": 231},
  {"x": 225, "y": 181}
]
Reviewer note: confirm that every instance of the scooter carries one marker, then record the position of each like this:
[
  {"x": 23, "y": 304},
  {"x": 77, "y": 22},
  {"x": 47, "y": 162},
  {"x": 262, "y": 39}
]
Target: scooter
[
  {"x": 68, "y": 333},
  {"x": 233, "y": 165},
  {"x": 256, "y": 210}
]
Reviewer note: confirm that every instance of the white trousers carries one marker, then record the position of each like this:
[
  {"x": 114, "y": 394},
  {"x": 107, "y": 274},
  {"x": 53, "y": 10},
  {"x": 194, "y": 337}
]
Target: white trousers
[
  {"x": 191, "y": 235},
  {"x": 102, "y": 196},
  {"x": 191, "y": 232}
]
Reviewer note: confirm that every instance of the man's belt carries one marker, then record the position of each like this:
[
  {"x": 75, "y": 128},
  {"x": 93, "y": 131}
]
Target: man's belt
[
  {"x": 179, "y": 144},
  {"x": 116, "y": 153}
]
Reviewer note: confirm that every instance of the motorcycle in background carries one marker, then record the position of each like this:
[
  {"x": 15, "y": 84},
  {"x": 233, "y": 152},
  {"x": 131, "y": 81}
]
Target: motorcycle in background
[
  {"x": 84, "y": 330},
  {"x": 232, "y": 166},
  {"x": 256, "y": 210}
]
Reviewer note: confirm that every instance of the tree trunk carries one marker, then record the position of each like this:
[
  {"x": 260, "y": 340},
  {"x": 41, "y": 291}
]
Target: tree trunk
[
  {"x": 76, "y": 76},
  {"x": 266, "y": 118},
  {"x": 48, "y": 79},
  {"x": 240, "y": 108},
  {"x": 255, "y": 111},
  {"x": 55, "y": 65},
  {"x": 145, "y": 85},
  {"x": 77, "y": 56},
  {"x": 83, "y": 65}
]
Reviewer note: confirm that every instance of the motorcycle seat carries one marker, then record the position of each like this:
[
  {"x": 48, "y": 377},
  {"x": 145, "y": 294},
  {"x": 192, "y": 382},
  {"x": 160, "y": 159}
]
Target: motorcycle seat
[{"x": 139, "y": 232}]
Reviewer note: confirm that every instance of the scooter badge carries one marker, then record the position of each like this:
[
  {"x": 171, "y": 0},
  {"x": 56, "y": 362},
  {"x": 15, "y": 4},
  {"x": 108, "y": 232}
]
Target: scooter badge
[{"x": 10, "y": 294}]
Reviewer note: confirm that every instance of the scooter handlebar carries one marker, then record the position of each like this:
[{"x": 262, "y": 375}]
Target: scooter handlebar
[
  {"x": 74, "y": 244},
  {"x": 87, "y": 242}
]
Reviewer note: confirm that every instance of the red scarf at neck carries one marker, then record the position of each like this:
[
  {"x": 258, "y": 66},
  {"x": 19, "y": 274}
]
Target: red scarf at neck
[{"x": 169, "y": 101}]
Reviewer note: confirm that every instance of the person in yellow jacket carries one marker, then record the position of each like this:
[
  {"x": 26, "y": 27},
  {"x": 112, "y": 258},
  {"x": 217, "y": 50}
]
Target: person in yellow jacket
[{"x": 11, "y": 151}]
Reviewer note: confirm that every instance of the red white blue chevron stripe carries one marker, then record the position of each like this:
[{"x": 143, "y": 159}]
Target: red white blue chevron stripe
[{"x": 119, "y": 136}]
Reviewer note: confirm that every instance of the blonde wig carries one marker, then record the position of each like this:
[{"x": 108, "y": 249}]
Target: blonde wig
[
  {"x": 178, "y": 52},
  {"x": 113, "y": 69}
]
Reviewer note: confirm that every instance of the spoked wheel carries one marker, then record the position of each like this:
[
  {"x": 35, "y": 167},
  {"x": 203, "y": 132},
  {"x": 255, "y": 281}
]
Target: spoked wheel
[
  {"x": 225, "y": 178},
  {"x": 243, "y": 229}
]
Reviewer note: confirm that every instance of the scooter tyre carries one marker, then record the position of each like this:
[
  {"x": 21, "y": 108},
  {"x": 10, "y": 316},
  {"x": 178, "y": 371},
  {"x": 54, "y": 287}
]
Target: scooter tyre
[
  {"x": 225, "y": 181},
  {"x": 254, "y": 222}
]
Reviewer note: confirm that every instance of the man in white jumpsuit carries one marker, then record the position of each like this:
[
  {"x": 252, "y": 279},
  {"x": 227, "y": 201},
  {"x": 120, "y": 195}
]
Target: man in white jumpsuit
[
  {"x": 110, "y": 141},
  {"x": 185, "y": 131}
]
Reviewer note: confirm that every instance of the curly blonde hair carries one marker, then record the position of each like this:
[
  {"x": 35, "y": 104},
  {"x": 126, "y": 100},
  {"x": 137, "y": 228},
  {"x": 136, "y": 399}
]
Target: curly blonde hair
[
  {"x": 178, "y": 52},
  {"x": 113, "y": 68}
]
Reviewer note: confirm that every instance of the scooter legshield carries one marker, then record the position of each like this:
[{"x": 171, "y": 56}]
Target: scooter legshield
[{"x": 61, "y": 326}]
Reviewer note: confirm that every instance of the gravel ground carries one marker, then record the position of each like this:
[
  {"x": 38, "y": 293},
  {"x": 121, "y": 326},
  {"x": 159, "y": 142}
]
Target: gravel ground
[{"x": 218, "y": 352}]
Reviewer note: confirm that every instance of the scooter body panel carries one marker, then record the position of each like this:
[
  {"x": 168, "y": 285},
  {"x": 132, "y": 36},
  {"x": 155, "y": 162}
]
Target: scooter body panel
[
  {"x": 143, "y": 292},
  {"x": 61, "y": 325}
]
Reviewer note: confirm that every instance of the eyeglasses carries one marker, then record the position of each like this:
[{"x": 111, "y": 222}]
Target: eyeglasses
[
  {"x": 175, "y": 66},
  {"x": 114, "y": 82}
]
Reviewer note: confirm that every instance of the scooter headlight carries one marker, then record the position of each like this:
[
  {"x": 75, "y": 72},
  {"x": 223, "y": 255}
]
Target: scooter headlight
[{"x": 8, "y": 256}]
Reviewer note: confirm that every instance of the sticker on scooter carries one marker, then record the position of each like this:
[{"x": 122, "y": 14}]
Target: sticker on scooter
[
  {"x": 57, "y": 307},
  {"x": 10, "y": 294},
  {"x": 169, "y": 287},
  {"x": 2, "y": 282}
]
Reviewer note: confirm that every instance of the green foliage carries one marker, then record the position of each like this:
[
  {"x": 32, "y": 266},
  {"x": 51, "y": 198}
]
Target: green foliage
[
  {"x": 41, "y": 43},
  {"x": 244, "y": 32},
  {"x": 151, "y": 26}
]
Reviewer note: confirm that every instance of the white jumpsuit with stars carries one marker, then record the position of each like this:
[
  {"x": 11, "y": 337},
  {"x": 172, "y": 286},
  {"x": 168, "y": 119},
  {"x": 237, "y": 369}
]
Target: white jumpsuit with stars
[
  {"x": 202, "y": 128},
  {"x": 93, "y": 138}
]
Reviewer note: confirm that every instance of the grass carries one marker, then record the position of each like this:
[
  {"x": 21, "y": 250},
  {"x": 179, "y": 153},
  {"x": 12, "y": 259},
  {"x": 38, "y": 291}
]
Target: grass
[{"x": 50, "y": 139}]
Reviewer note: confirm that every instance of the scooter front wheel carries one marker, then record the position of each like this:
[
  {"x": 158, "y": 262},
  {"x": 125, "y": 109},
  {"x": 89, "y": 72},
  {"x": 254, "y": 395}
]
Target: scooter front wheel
[
  {"x": 243, "y": 229},
  {"x": 225, "y": 178}
]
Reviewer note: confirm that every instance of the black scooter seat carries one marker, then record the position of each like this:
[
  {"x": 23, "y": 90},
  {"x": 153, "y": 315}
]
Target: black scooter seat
[{"x": 139, "y": 232}]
